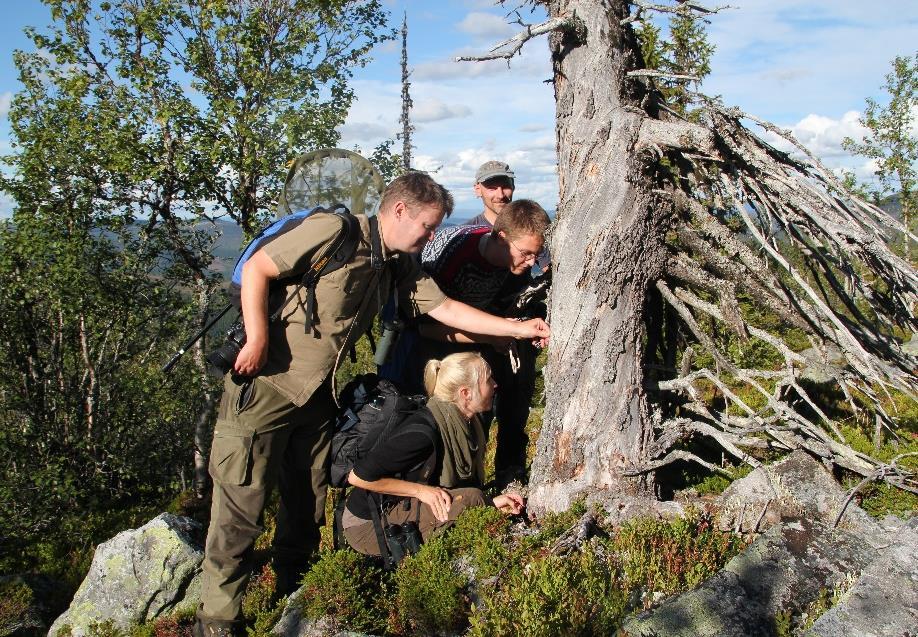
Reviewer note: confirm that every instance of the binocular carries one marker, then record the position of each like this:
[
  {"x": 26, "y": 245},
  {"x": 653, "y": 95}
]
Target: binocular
[{"x": 402, "y": 540}]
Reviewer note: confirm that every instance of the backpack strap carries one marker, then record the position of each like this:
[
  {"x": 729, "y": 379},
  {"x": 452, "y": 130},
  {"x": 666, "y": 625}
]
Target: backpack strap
[
  {"x": 333, "y": 257},
  {"x": 379, "y": 525}
]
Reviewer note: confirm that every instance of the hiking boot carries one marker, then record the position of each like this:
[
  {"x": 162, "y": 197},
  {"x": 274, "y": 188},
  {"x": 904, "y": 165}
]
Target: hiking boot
[{"x": 217, "y": 628}]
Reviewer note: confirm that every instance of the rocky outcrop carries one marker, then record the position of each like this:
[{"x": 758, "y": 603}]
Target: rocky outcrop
[
  {"x": 294, "y": 624},
  {"x": 881, "y": 602},
  {"x": 138, "y": 575},
  {"x": 800, "y": 556},
  {"x": 795, "y": 487}
]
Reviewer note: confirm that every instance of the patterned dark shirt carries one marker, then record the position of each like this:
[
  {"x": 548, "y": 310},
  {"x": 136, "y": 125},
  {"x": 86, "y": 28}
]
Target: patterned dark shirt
[{"x": 455, "y": 262}]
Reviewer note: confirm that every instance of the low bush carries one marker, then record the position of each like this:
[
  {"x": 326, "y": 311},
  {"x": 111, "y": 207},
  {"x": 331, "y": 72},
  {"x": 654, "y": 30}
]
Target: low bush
[{"x": 347, "y": 587}]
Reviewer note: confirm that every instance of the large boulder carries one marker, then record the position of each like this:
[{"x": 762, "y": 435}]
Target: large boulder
[
  {"x": 782, "y": 571},
  {"x": 138, "y": 575},
  {"x": 796, "y": 487},
  {"x": 801, "y": 556},
  {"x": 884, "y": 599}
]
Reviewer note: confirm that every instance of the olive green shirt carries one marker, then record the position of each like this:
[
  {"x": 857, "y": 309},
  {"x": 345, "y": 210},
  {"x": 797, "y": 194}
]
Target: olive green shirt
[{"x": 347, "y": 301}]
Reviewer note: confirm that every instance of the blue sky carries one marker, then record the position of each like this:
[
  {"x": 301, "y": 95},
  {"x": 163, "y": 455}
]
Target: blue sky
[{"x": 805, "y": 66}]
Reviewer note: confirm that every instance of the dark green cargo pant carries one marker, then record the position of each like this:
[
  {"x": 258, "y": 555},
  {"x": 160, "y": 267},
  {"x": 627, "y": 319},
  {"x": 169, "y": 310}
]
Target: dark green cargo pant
[{"x": 261, "y": 439}]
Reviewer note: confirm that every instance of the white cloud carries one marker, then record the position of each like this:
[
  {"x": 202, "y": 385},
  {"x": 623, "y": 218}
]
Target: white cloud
[
  {"x": 486, "y": 25},
  {"x": 823, "y": 135},
  {"x": 437, "y": 110},
  {"x": 781, "y": 58},
  {"x": 6, "y": 100}
]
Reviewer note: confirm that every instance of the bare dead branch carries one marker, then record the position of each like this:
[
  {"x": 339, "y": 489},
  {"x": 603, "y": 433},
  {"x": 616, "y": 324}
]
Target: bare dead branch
[
  {"x": 516, "y": 43},
  {"x": 671, "y": 457},
  {"x": 684, "y": 7},
  {"x": 662, "y": 74}
]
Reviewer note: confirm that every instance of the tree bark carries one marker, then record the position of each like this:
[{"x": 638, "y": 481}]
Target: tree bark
[{"x": 609, "y": 251}]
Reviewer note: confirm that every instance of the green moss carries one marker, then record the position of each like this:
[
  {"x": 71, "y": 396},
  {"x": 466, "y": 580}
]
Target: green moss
[
  {"x": 104, "y": 628},
  {"x": 712, "y": 484}
]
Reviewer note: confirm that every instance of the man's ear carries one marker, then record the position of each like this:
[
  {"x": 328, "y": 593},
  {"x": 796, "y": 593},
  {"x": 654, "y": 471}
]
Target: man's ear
[
  {"x": 399, "y": 208},
  {"x": 478, "y": 190}
]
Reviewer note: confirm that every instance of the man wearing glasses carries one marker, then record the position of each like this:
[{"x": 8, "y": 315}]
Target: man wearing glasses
[{"x": 474, "y": 264}]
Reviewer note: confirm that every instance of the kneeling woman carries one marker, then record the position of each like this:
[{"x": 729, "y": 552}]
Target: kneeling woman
[{"x": 442, "y": 445}]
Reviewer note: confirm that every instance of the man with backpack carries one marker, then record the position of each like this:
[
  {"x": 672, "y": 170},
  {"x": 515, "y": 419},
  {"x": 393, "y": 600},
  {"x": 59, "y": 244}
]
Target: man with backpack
[{"x": 274, "y": 420}]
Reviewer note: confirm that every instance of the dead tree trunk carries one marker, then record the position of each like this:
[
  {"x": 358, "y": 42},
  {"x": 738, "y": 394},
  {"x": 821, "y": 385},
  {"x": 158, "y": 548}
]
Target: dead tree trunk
[
  {"x": 660, "y": 220},
  {"x": 609, "y": 251}
]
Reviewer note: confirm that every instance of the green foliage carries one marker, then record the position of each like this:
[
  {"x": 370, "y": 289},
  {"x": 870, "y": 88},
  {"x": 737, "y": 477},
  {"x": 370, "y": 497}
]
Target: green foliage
[
  {"x": 477, "y": 535},
  {"x": 573, "y": 595},
  {"x": 879, "y": 498},
  {"x": 259, "y": 606},
  {"x": 116, "y": 166},
  {"x": 343, "y": 585},
  {"x": 891, "y": 140},
  {"x": 686, "y": 51},
  {"x": 430, "y": 591},
  {"x": 87, "y": 423},
  {"x": 669, "y": 557},
  {"x": 15, "y": 600},
  {"x": 388, "y": 164}
]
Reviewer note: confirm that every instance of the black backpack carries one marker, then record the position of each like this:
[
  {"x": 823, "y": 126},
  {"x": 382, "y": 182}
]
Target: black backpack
[{"x": 371, "y": 410}]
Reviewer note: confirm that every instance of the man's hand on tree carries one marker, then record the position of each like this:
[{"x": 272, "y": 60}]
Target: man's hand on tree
[{"x": 535, "y": 329}]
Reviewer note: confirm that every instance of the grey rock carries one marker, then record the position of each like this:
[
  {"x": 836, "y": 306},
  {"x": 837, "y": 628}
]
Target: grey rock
[
  {"x": 796, "y": 487},
  {"x": 822, "y": 365},
  {"x": 884, "y": 599},
  {"x": 783, "y": 570},
  {"x": 138, "y": 575},
  {"x": 294, "y": 624},
  {"x": 619, "y": 509}
]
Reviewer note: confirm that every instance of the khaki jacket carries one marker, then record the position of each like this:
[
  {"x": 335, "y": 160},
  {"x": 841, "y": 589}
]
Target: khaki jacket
[{"x": 347, "y": 301}]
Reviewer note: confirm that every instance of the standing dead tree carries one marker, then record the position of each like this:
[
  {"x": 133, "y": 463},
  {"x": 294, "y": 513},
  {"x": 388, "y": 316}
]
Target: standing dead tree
[
  {"x": 672, "y": 239},
  {"x": 405, "y": 118}
]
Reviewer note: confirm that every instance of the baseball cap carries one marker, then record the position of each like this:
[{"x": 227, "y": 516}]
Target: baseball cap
[{"x": 491, "y": 169}]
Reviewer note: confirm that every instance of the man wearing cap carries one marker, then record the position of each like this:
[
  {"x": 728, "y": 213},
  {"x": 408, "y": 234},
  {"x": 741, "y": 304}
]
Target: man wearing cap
[{"x": 494, "y": 183}]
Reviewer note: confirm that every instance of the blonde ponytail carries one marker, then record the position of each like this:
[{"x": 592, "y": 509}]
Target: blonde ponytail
[{"x": 443, "y": 379}]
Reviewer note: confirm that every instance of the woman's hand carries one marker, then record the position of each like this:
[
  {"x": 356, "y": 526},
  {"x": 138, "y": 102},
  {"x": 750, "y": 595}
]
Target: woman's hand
[
  {"x": 510, "y": 503},
  {"x": 438, "y": 499}
]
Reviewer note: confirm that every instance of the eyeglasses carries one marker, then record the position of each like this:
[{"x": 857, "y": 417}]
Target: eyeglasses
[{"x": 526, "y": 254}]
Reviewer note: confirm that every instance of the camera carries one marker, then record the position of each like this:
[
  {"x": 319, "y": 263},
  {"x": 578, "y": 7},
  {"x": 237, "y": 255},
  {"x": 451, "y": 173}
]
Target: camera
[
  {"x": 402, "y": 540},
  {"x": 224, "y": 357}
]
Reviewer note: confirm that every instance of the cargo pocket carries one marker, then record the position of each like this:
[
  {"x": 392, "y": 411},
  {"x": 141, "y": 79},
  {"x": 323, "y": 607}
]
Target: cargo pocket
[
  {"x": 245, "y": 395},
  {"x": 231, "y": 457}
]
